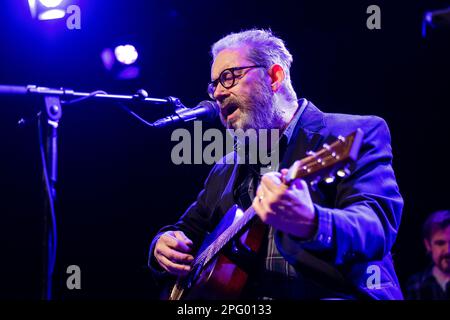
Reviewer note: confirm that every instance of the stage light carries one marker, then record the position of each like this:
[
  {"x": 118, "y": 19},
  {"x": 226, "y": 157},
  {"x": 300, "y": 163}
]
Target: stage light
[
  {"x": 121, "y": 62},
  {"x": 47, "y": 9},
  {"x": 108, "y": 58},
  {"x": 52, "y": 14},
  {"x": 436, "y": 19},
  {"x": 126, "y": 54},
  {"x": 51, "y": 3}
]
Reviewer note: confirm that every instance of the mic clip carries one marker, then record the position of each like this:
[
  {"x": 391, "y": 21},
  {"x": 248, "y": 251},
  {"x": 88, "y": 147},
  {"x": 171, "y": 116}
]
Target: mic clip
[{"x": 176, "y": 104}]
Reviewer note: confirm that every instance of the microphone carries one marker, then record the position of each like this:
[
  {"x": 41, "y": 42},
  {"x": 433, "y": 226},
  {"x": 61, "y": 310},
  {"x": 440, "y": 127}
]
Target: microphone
[{"x": 205, "y": 110}]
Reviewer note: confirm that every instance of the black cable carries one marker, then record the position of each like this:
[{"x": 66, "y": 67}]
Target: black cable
[
  {"x": 132, "y": 113},
  {"x": 90, "y": 95},
  {"x": 52, "y": 240},
  {"x": 125, "y": 108}
]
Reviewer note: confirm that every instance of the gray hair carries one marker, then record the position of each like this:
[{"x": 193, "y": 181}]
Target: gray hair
[{"x": 264, "y": 49}]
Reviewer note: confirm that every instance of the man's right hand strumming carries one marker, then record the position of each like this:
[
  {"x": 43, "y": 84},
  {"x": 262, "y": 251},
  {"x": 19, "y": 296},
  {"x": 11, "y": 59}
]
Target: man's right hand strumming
[{"x": 172, "y": 252}]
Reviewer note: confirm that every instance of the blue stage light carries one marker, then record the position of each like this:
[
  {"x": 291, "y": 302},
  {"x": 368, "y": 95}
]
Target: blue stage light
[
  {"x": 51, "y": 3},
  {"x": 47, "y": 9},
  {"x": 52, "y": 14}
]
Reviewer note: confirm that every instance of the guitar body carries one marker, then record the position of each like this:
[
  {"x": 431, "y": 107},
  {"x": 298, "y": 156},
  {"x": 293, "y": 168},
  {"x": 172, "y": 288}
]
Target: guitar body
[
  {"x": 224, "y": 276},
  {"x": 221, "y": 279}
]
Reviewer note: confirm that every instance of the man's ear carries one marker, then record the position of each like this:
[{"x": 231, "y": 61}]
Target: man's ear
[
  {"x": 427, "y": 244},
  {"x": 277, "y": 75}
]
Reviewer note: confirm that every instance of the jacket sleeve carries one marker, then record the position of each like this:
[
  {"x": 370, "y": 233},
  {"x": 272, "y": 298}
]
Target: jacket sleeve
[
  {"x": 196, "y": 221},
  {"x": 364, "y": 222}
]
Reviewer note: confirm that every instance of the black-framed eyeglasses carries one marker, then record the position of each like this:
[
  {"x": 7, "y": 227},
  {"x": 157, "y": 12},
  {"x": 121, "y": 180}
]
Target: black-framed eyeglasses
[{"x": 227, "y": 79}]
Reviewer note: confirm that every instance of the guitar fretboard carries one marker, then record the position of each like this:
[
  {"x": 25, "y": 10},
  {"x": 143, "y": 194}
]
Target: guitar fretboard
[{"x": 206, "y": 255}]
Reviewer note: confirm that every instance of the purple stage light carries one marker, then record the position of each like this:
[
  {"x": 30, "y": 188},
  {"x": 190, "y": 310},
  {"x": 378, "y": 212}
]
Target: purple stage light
[
  {"x": 130, "y": 72},
  {"x": 108, "y": 58},
  {"x": 121, "y": 62}
]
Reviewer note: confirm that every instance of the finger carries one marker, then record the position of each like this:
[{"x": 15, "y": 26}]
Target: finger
[
  {"x": 300, "y": 184},
  {"x": 174, "y": 268},
  {"x": 264, "y": 197},
  {"x": 260, "y": 191},
  {"x": 171, "y": 241},
  {"x": 272, "y": 183},
  {"x": 284, "y": 173},
  {"x": 256, "y": 204},
  {"x": 175, "y": 256},
  {"x": 275, "y": 174},
  {"x": 264, "y": 192},
  {"x": 271, "y": 196},
  {"x": 260, "y": 209},
  {"x": 181, "y": 236}
]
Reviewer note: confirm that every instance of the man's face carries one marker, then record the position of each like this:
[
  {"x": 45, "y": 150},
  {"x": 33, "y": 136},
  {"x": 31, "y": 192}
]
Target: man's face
[
  {"x": 439, "y": 247},
  {"x": 249, "y": 103}
]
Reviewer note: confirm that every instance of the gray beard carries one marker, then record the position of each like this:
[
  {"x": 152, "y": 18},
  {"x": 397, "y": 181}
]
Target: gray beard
[{"x": 263, "y": 112}]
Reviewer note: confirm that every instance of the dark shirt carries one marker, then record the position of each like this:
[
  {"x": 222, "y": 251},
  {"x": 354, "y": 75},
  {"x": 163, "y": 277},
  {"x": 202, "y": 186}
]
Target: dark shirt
[{"x": 424, "y": 286}]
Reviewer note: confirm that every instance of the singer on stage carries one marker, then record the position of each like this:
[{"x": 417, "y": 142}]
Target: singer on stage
[{"x": 324, "y": 242}]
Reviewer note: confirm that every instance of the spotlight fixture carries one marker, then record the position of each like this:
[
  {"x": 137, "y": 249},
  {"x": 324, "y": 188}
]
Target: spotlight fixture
[{"x": 46, "y": 9}]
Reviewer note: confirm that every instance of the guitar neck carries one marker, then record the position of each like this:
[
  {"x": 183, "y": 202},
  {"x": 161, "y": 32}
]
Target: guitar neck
[{"x": 227, "y": 235}]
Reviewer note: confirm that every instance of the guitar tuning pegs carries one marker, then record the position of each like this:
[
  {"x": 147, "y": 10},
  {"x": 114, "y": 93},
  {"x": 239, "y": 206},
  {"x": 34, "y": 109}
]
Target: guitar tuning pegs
[
  {"x": 329, "y": 179},
  {"x": 343, "y": 172}
]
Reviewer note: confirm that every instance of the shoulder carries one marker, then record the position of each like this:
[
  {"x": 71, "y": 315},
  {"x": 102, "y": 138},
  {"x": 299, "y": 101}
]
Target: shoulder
[
  {"x": 420, "y": 286},
  {"x": 376, "y": 143},
  {"x": 338, "y": 123},
  {"x": 416, "y": 278}
]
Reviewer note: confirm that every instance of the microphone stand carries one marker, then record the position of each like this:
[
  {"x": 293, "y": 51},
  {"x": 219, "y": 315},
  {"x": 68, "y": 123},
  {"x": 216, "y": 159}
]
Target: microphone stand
[{"x": 53, "y": 113}]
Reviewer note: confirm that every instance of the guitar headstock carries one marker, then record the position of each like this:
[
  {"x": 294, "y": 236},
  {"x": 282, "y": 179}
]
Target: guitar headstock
[{"x": 330, "y": 160}]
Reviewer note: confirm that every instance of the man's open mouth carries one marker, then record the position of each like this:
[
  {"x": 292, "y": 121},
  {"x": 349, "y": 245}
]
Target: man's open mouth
[{"x": 227, "y": 110}]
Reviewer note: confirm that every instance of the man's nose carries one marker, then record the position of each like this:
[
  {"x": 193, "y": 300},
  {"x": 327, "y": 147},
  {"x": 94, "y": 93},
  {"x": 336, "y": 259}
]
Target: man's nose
[{"x": 221, "y": 93}]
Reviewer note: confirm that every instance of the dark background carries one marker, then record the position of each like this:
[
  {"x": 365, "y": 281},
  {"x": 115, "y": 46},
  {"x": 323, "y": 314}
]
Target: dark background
[{"x": 117, "y": 184}]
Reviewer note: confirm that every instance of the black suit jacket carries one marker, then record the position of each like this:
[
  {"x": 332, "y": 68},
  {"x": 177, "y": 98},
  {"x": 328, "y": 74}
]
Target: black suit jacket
[{"x": 358, "y": 220}]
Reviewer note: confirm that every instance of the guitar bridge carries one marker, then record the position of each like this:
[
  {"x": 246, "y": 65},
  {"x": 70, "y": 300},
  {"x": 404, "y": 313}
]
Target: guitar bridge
[{"x": 241, "y": 255}]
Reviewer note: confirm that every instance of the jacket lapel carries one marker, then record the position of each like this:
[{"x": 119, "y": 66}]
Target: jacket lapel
[{"x": 308, "y": 134}]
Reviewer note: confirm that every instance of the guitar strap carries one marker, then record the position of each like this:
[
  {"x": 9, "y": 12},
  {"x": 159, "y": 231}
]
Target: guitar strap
[{"x": 248, "y": 179}]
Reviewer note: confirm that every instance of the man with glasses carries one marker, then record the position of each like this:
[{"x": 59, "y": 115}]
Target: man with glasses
[{"x": 327, "y": 242}]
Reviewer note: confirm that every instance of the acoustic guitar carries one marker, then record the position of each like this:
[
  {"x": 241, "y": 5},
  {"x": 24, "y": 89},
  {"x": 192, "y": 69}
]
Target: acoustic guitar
[{"x": 220, "y": 268}]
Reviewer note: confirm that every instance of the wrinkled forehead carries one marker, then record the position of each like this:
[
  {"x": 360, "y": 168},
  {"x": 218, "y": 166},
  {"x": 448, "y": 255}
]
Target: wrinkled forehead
[{"x": 229, "y": 58}]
